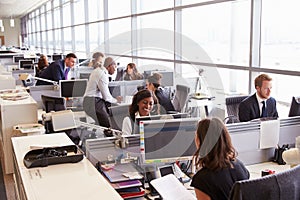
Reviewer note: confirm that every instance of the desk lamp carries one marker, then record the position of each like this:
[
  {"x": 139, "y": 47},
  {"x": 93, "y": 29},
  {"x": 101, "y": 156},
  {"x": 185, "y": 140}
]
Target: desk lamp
[{"x": 27, "y": 77}]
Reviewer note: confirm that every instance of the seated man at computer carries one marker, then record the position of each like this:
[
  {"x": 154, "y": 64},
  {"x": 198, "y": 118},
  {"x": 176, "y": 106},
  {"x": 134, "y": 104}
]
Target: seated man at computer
[
  {"x": 58, "y": 70},
  {"x": 260, "y": 104},
  {"x": 153, "y": 84}
]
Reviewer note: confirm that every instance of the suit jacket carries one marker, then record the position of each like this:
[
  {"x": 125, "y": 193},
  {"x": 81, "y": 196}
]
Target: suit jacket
[
  {"x": 249, "y": 109},
  {"x": 165, "y": 102},
  {"x": 54, "y": 72}
]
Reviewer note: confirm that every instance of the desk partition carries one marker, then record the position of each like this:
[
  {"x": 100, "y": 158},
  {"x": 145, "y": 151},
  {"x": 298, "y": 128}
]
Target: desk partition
[{"x": 246, "y": 139}]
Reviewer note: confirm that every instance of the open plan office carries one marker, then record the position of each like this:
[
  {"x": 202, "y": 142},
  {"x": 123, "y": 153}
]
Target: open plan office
[{"x": 207, "y": 56}]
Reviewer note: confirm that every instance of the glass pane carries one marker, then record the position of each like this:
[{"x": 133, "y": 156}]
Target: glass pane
[
  {"x": 58, "y": 41},
  {"x": 57, "y": 18},
  {"x": 119, "y": 8},
  {"x": 50, "y": 40},
  {"x": 55, "y": 3},
  {"x": 95, "y": 10},
  {"x": 221, "y": 29},
  {"x": 96, "y": 32},
  {"x": 146, "y": 5},
  {"x": 79, "y": 12},
  {"x": 67, "y": 39},
  {"x": 48, "y": 6},
  {"x": 44, "y": 40},
  {"x": 80, "y": 38},
  {"x": 155, "y": 35},
  {"x": 66, "y": 15},
  {"x": 37, "y": 23},
  {"x": 120, "y": 36},
  {"x": 49, "y": 21},
  {"x": 280, "y": 42},
  {"x": 43, "y": 22}
]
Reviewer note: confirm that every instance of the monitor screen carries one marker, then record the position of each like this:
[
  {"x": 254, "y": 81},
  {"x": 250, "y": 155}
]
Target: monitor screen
[
  {"x": 72, "y": 88},
  {"x": 57, "y": 57},
  {"x": 295, "y": 107},
  {"x": 26, "y": 64},
  {"x": 165, "y": 141},
  {"x": 17, "y": 58}
]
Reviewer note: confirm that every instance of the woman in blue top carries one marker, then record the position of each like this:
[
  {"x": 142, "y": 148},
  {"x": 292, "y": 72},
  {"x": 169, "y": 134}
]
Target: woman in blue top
[{"x": 215, "y": 159}]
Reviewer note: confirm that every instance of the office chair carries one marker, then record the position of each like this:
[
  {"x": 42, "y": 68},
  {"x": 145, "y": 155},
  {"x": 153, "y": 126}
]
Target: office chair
[
  {"x": 181, "y": 97},
  {"x": 295, "y": 107},
  {"x": 53, "y": 103},
  {"x": 117, "y": 114},
  {"x": 232, "y": 106},
  {"x": 278, "y": 186}
]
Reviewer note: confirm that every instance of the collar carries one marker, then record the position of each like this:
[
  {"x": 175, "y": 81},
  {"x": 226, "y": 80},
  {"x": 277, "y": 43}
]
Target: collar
[{"x": 259, "y": 99}]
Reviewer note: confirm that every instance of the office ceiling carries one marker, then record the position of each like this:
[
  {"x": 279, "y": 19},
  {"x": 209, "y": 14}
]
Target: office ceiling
[{"x": 18, "y": 8}]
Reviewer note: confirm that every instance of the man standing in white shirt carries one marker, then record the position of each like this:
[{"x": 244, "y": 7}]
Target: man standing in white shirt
[{"x": 97, "y": 97}]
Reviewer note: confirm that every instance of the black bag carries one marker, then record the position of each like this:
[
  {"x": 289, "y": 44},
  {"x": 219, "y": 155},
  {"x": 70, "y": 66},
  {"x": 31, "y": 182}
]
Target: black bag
[{"x": 278, "y": 154}]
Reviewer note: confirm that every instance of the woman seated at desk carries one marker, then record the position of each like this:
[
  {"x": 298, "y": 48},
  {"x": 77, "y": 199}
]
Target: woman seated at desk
[
  {"x": 142, "y": 104},
  {"x": 216, "y": 160},
  {"x": 132, "y": 73}
]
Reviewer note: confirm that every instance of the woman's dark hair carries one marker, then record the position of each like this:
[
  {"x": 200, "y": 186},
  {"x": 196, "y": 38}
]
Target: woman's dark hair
[
  {"x": 140, "y": 95},
  {"x": 43, "y": 62},
  {"x": 215, "y": 150}
]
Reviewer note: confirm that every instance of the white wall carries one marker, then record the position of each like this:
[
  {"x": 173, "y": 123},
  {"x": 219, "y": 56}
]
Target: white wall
[{"x": 11, "y": 34}]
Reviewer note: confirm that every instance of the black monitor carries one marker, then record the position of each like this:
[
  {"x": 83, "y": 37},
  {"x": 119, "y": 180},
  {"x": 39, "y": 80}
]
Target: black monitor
[
  {"x": 17, "y": 58},
  {"x": 166, "y": 141},
  {"x": 84, "y": 75},
  {"x": 52, "y": 103},
  {"x": 26, "y": 64},
  {"x": 56, "y": 57},
  {"x": 295, "y": 107},
  {"x": 72, "y": 88}
]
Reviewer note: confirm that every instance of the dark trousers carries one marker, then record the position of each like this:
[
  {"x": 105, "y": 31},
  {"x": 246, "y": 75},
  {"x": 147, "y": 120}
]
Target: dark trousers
[{"x": 97, "y": 109}]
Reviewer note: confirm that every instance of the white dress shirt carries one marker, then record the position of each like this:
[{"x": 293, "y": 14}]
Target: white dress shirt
[{"x": 98, "y": 85}]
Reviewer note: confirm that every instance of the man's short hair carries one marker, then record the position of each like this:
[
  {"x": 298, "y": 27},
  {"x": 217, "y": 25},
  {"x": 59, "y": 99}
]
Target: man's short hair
[
  {"x": 71, "y": 55},
  {"x": 109, "y": 61},
  {"x": 262, "y": 77}
]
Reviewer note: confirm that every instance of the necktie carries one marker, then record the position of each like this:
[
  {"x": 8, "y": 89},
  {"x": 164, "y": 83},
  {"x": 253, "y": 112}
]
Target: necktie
[
  {"x": 263, "y": 110},
  {"x": 66, "y": 73}
]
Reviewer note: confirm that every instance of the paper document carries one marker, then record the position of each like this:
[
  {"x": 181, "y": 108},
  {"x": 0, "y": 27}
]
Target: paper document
[
  {"x": 269, "y": 134},
  {"x": 170, "y": 188}
]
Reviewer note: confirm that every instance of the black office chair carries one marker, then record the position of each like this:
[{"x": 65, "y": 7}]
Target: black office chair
[
  {"x": 116, "y": 116},
  {"x": 181, "y": 97},
  {"x": 278, "y": 186},
  {"x": 53, "y": 103},
  {"x": 232, "y": 106}
]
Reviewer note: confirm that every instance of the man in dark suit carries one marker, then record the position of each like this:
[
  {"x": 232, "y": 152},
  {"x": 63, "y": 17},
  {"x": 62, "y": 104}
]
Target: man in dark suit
[
  {"x": 260, "y": 104},
  {"x": 58, "y": 70}
]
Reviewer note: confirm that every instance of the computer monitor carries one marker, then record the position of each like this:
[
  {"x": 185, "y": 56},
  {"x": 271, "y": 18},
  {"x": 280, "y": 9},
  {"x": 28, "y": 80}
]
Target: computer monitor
[
  {"x": 53, "y": 103},
  {"x": 26, "y": 64},
  {"x": 17, "y": 58},
  {"x": 84, "y": 75},
  {"x": 165, "y": 141},
  {"x": 57, "y": 57},
  {"x": 72, "y": 88},
  {"x": 120, "y": 74},
  {"x": 295, "y": 107}
]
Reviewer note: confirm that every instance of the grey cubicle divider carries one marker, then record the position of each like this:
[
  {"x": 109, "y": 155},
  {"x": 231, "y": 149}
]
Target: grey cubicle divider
[
  {"x": 245, "y": 138},
  {"x": 37, "y": 91}
]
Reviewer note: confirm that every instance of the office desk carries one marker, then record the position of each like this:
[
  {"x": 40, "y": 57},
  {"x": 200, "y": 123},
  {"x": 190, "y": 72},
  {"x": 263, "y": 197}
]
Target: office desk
[
  {"x": 64, "y": 181},
  {"x": 13, "y": 113},
  {"x": 255, "y": 170}
]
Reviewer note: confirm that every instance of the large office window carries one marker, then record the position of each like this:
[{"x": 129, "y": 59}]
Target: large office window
[{"x": 234, "y": 39}]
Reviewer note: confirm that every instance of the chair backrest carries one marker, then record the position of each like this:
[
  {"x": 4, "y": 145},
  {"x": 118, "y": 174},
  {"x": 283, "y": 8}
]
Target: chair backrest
[
  {"x": 181, "y": 97},
  {"x": 232, "y": 107},
  {"x": 53, "y": 103},
  {"x": 282, "y": 185},
  {"x": 117, "y": 114},
  {"x": 295, "y": 107}
]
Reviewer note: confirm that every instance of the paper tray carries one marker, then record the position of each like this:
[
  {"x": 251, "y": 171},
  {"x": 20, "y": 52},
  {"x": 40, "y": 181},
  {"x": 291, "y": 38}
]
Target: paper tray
[{"x": 52, "y": 155}]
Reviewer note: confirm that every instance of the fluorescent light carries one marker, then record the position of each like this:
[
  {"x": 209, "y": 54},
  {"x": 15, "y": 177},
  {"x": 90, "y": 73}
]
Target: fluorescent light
[
  {"x": 1, "y": 23},
  {"x": 12, "y": 23},
  {"x": 2, "y": 28}
]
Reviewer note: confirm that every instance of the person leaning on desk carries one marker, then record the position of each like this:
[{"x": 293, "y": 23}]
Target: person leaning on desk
[
  {"x": 58, "y": 70},
  {"x": 142, "y": 104},
  {"x": 215, "y": 159},
  {"x": 260, "y": 104},
  {"x": 97, "y": 97}
]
